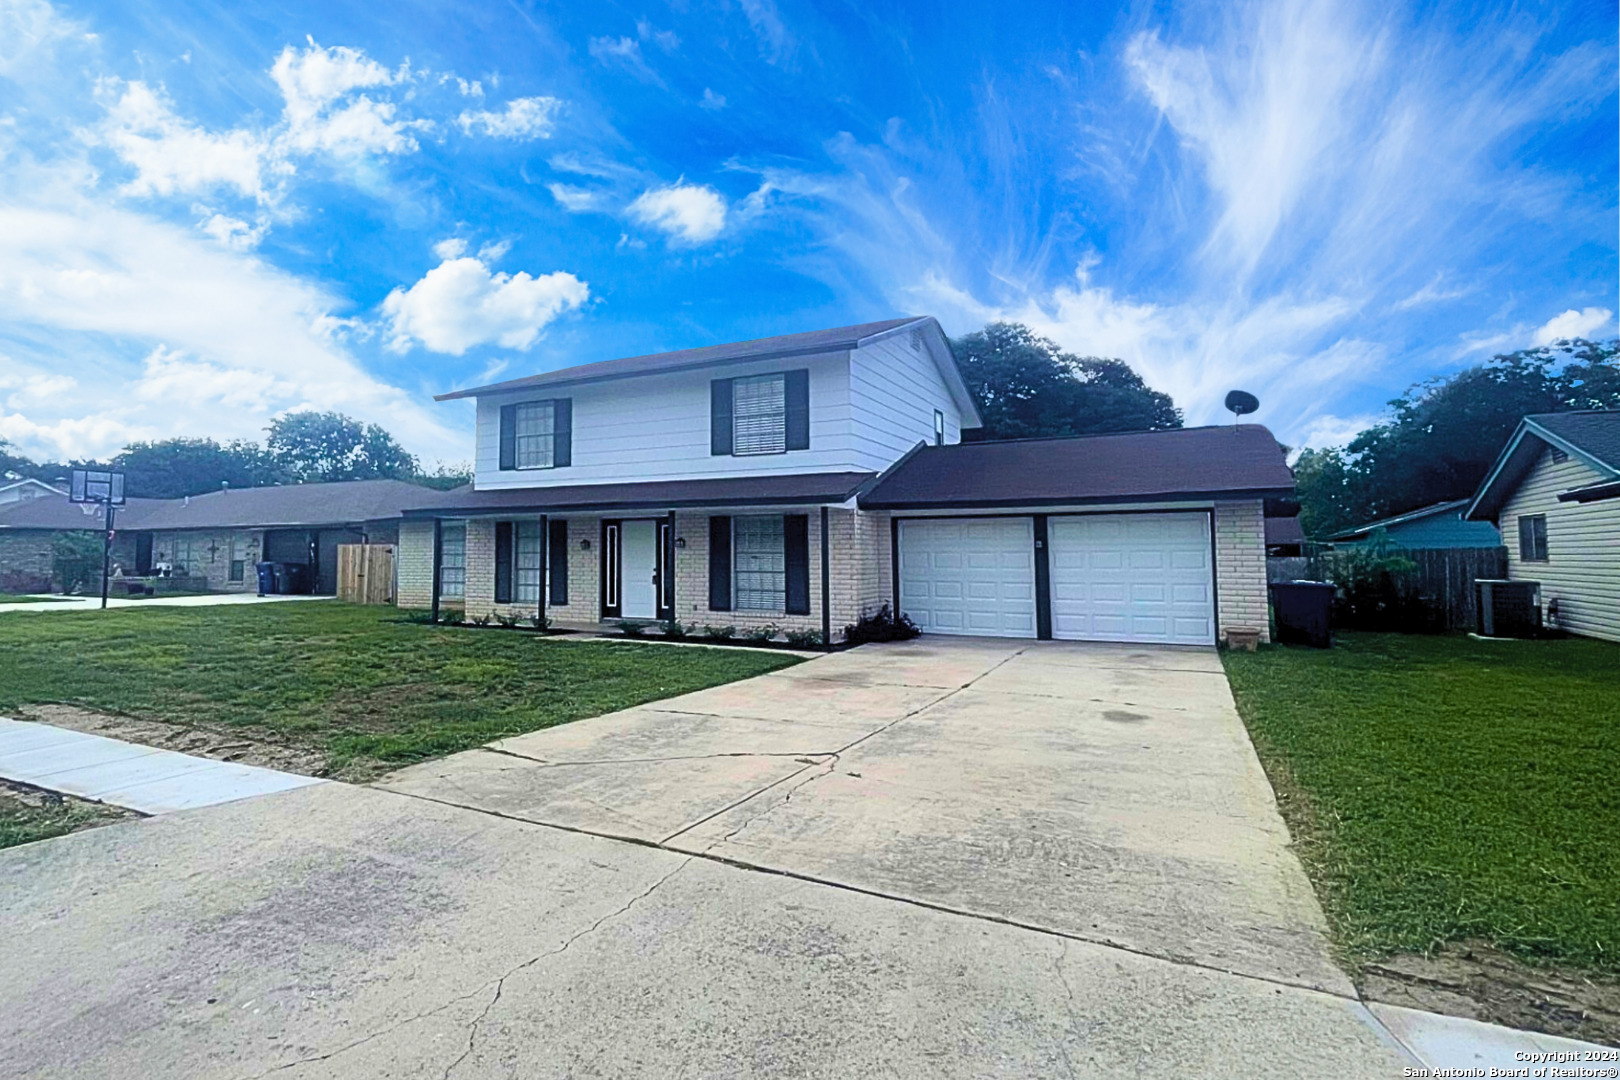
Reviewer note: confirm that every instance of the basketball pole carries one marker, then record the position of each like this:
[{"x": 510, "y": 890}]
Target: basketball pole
[{"x": 106, "y": 551}]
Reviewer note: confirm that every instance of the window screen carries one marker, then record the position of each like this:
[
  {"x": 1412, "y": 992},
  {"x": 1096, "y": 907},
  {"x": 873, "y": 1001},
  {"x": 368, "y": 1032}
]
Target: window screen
[
  {"x": 535, "y": 430},
  {"x": 760, "y": 564},
  {"x": 453, "y": 561},
  {"x": 1533, "y": 538},
  {"x": 528, "y": 556},
  {"x": 759, "y": 415},
  {"x": 939, "y": 428}
]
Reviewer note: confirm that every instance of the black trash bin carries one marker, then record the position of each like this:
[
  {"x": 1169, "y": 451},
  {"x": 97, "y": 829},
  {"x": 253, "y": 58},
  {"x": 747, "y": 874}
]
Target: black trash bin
[
  {"x": 267, "y": 577},
  {"x": 299, "y": 579},
  {"x": 1303, "y": 611}
]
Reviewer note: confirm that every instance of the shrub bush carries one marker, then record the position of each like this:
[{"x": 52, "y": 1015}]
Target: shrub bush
[
  {"x": 804, "y": 639},
  {"x": 881, "y": 625},
  {"x": 1378, "y": 590},
  {"x": 675, "y": 630},
  {"x": 633, "y": 627},
  {"x": 507, "y": 622},
  {"x": 762, "y": 634},
  {"x": 719, "y": 633},
  {"x": 540, "y": 620}
]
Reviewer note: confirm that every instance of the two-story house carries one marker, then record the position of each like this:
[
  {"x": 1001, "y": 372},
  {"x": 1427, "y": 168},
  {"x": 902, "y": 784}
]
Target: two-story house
[{"x": 802, "y": 481}]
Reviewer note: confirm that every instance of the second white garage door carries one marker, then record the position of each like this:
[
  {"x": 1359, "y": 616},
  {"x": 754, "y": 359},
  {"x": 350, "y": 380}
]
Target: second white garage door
[
  {"x": 1132, "y": 577},
  {"x": 969, "y": 575}
]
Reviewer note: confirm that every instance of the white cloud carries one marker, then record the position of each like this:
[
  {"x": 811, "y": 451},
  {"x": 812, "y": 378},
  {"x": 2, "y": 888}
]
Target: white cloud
[
  {"x": 1432, "y": 293},
  {"x": 576, "y": 200},
  {"x": 452, "y": 248},
  {"x": 315, "y": 80},
  {"x": 234, "y": 232},
  {"x": 171, "y": 156},
  {"x": 29, "y": 31},
  {"x": 664, "y": 39},
  {"x": 459, "y": 304},
  {"x": 623, "y": 52},
  {"x": 1572, "y": 324},
  {"x": 1329, "y": 430},
  {"x": 775, "y": 43},
  {"x": 690, "y": 212},
  {"x": 240, "y": 340},
  {"x": 35, "y": 388},
  {"x": 523, "y": 118},
  {"x": 712, "y": 101}
]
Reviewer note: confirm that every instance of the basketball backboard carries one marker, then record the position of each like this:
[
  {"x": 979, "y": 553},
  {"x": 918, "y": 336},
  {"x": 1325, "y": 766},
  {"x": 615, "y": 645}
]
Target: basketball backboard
[{"x": 99, "y": 486}]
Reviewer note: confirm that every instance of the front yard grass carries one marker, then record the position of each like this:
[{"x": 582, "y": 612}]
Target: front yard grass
[
  {"x": 21, "y": 598},
  {"x": 361, "y": 686},
  {"x": 29, "y": 814},
  {"x": 1447, "y": 790}
]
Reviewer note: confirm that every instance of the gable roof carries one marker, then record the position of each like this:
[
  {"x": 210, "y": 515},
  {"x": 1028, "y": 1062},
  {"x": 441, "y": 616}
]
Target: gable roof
[
  {"x": 1592, "y": 435},
  {"x": 783, "y": 346},
  {"x": 1138, "y": 466},
  {"x": 30, "y": 481},
  {"x": 286, "y": 505}
]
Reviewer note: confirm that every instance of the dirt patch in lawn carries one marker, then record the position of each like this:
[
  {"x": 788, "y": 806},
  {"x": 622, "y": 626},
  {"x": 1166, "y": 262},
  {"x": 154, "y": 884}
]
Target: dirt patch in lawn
[
  {"x": 1481, "y": 983},
  {"x": 248, "y": 746},
  {"x": 29, "y": 814}
]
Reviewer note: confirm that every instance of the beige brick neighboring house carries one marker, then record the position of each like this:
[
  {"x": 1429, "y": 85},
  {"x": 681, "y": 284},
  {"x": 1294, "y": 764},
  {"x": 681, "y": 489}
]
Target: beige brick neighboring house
[
  {"x": 1555, "y": 495},
  {"x": 803, "y": 482}
]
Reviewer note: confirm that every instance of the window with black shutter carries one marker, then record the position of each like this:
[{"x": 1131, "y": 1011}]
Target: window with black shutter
[
  {"x": 760, "y": 414},
  {"x": 719, "y": 563},
  {"x": 503, "y": 562},
  {"x": 559, "y": 563},
  {"x": 537, "y": 434}
]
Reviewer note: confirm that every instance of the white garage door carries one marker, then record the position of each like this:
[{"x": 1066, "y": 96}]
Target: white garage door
[
  {"x": 1132, "y": 577},
  {"x": 969, "y": 575}
]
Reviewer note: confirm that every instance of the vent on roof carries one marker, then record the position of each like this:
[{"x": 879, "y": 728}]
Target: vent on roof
[
  {"x": 1559, "y": 456},
  {"x": 916, "y": 341}
]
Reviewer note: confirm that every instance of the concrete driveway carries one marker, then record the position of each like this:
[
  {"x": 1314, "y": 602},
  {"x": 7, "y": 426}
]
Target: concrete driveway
[{"x": 942, "y": 858}]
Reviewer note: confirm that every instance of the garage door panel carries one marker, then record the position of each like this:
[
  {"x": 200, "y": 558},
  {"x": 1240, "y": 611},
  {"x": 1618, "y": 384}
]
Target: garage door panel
[
  {"x": 969, "y": 576},
  {"x": 1132, "y": 577}
]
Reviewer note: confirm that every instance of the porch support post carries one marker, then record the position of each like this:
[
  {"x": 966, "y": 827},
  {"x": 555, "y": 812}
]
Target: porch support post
[
  {"x": 826, "y": 584},
  {"x": 544, "y": 598},
  {"x": 438, "y": 557}
]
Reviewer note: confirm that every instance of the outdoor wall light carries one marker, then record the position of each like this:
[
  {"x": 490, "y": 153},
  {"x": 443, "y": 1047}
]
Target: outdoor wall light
[
  {"x": 584, "y": 545},
  {"x": 680, "y": 541}
]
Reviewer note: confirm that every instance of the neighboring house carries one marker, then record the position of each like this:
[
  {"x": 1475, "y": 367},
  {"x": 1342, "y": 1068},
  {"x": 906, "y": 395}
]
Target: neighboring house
[
  {"x": 804, "y": 481},
  {"x": 15, "y": 491},
  {"x": 1285, "y": 538},
  {"x": 1439, "y": 526},
  {"x": 1555, "y": 494},
  {"x": 218, "y": 537},
  {"x": 27, "y": 529}
]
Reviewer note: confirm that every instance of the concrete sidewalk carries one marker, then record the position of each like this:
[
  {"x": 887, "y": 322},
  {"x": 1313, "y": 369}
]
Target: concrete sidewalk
[{"x": 140, "y": 778}]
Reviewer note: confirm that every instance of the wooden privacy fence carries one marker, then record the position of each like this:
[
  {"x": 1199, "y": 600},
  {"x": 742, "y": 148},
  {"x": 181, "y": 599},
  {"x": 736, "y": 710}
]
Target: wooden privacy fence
[
  {"x": 366, "y": 573},
  {"x": 1444, "y": 577}
]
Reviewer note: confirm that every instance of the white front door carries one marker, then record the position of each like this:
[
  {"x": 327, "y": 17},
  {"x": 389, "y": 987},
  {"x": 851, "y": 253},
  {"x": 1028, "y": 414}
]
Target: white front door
[
  {"x": 1132, "y": 577},
  {"x": 969, "y": 575},
  {"x": 638, "y": 571}
]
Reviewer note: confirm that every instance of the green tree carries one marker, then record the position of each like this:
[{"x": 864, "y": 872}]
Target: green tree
[
  {"x": 1443, "y": 435},
  {"x": 1027, "y": 386},
  {"x": 170, "y": 468},
  {"x": 327, "y": 446}
]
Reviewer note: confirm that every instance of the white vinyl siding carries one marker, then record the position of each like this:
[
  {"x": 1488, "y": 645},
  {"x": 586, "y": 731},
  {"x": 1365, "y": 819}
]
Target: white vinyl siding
[
  {"x": 759, "y": 556},
  {"x": 894, "y": 392},
  {"x": 759, "y": 415},
  {"x": 528, "y": 560},
  {"x": 535, "y": 428},
  {"x": 453, "y": 562},
  {"x": 1582, "y": 570}
]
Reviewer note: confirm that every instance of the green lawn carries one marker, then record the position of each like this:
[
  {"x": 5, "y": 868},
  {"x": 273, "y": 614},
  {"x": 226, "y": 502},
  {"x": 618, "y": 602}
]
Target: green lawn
[
  {"x": 359, "y": 684},
  {"x": 1445, "y": 789}
]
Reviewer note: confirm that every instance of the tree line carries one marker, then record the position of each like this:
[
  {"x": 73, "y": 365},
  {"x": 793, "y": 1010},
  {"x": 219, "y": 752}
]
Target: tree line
[{"x": 1437, "y": 442}]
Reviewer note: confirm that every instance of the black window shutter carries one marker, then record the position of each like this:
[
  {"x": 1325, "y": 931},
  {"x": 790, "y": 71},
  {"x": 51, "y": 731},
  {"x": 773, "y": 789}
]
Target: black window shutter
[
  {"x": 503, "y": 562},
  {"x": 562, "y": 439},
  {"x": 796, "y": 561},
  {"x": 720, "y": 423},
  {"x": 798, "y": 409},
  {"x": 508, "y": 436},
  {"x": 720, "y": 562},
  {"x": 558, "y": 542}
]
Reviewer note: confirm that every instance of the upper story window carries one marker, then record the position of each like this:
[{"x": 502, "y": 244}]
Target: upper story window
[
  {"x": 760, "y": 414},
  {"x": 537, "y": 434},
  {"x": 939, "y": 428},
  {"x": 1533, "y": 538}
]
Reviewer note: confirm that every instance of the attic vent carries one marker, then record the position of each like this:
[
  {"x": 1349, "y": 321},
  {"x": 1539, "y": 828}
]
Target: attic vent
[
  {"x": 916, "y": 341},
  {"x": 1559, "y": 456}
]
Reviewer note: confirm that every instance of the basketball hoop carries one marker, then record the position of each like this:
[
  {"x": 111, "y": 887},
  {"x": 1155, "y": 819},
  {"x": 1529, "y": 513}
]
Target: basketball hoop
[{"x": 99, "y": 490}]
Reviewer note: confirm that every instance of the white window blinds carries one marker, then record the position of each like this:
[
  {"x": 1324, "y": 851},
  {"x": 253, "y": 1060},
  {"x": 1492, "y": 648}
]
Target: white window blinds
[
  {"x": 535, "y": 428},
  {"x": 759, "y": 415},
  {"x": 760, "y": 564}
]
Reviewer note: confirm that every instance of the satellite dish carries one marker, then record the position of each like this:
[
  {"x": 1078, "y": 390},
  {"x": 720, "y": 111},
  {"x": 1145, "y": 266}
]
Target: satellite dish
[{"x": 1241, "y": 402}]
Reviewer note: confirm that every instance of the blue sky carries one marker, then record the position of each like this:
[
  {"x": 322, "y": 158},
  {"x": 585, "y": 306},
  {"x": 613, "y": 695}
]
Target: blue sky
[{"x": 213, "y": 214}]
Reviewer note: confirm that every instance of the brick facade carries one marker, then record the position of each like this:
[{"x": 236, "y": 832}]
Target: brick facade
[
  {"x": 211, "y": 555},
  {"x": 1240, "y": 567},
  {"x": 26, "y": 562},
  {"x": 413, "y": 565}
]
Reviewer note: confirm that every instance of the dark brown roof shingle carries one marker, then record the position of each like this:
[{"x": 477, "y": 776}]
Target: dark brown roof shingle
[{"x": 1138, "y": 466}]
